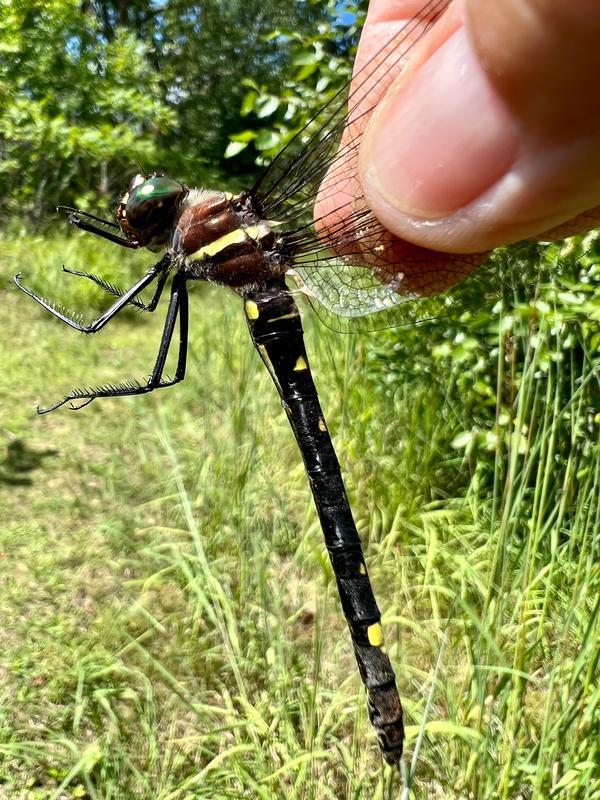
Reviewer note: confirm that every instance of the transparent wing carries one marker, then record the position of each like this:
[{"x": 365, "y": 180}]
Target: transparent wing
[
  {"x": 287, "y": 189},
  {"x": 352, "y": 299},
  {"x": 356, "y": 274}
]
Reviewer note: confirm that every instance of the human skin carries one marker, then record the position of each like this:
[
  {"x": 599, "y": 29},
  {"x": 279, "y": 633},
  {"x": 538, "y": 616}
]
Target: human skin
[{"x": 488, "y": 133}]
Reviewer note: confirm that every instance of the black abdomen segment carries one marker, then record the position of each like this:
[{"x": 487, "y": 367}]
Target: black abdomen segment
[{"x": 276, "y": 331}]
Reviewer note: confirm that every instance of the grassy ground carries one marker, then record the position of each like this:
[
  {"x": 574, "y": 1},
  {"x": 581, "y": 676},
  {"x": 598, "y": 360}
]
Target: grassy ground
[{"x": 170, "y": 627}]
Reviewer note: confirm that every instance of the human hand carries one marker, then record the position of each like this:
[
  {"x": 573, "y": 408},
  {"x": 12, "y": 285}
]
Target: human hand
[
  {"x": 491, "y": 131},
  {"x": 495, "y": 136}
]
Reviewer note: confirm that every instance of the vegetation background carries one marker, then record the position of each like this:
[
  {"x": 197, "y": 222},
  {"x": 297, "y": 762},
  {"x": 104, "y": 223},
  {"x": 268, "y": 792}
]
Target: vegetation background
[{"x": 170, "y": 626}]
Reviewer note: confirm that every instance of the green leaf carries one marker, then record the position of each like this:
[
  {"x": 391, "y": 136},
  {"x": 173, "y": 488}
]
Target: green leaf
[
  {"x": 233, "y": 148},
  {"x": 266, "y": 105},
  {"x": 445, "y": 728},
  {"x": 568, "y": 778},
  {"x": 463, "y": 440},
  {"x": 303, "y": 57},
  {"x": 306, "y": 72},
  {"x": 243, "y": 136},
  {"x": 267, "y": 140},
  {"x": 251, "y": 84},
  {"x": 248, "y": 103}
]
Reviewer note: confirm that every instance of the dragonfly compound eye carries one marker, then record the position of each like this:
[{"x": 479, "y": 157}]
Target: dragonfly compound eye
[{"x": 147, "y": 209}]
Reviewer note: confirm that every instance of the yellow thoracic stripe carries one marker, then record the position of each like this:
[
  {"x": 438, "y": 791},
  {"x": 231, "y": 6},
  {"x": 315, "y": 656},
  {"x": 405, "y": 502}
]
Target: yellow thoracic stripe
[{"x": 238, "y": 236}]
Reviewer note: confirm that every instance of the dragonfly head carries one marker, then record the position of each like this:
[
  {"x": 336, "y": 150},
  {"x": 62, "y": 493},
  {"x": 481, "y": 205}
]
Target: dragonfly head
[{"x": 147, "y": 209}]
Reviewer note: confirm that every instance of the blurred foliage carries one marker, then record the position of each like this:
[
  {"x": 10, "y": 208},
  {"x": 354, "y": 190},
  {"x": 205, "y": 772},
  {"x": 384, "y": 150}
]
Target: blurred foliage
[
  {"x": 320, "y": 65},
  {"x": 89, "y": 91},
  {"x": 76, "y": 109},
  {"x": 542, "y": 333}
]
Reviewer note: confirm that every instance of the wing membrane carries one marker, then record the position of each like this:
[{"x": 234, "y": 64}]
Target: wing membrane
[
  {"x": 357, "y": 275},
  {"x": 287, "y": 188},
  {"x": 350, "y": 298}
]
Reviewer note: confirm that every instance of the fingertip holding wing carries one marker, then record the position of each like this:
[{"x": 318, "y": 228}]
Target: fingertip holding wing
[{"x": 414, "y": 32}]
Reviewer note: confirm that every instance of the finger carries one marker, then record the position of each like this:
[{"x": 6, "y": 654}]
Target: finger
[
  {"x": 386, "y": 20},
  {"x": 410, "y": 23},
  {"x": 495, "y": 137}
]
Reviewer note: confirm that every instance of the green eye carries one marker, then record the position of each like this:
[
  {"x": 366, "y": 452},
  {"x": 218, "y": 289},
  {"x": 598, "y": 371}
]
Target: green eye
[
  {"x": 148, "y": 208},
  {"x": 150, "y": 193}
]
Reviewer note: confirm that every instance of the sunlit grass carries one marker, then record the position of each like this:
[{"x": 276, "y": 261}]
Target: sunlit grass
[{"x": 171, "y": 626}]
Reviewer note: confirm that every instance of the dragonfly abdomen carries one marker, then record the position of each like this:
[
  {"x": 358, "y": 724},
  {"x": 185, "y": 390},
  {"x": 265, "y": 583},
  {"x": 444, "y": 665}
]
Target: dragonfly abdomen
[{"x": 276, "y": 330}]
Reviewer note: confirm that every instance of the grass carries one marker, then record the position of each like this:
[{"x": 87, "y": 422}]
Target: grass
[{"x": 171, "y": 628}]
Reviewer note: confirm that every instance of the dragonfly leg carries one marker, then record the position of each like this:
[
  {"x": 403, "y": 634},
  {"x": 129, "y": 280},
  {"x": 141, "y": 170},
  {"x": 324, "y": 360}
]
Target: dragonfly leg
[
  {"x": 178, "y": 308},
  {"x": 117, "y": 306},
  {"x": 98, "y": 226},
  {"x": 160, "y": 285},
  {"x": 117, "y": 292}
]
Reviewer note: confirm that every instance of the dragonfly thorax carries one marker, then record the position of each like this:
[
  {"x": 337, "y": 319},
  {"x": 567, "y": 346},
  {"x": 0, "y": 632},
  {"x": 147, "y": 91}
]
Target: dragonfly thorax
[{"x": 223, "y": 239}]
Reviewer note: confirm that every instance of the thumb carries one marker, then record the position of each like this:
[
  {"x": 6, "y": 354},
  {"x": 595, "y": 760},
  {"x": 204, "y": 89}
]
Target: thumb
[{"x": 496, "y": 136}]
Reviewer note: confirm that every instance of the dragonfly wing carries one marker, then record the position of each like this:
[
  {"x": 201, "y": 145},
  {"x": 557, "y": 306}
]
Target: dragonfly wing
[
  {"x": 341, "y": 255},
  {"x": 349, "y": 298},
  {"x": 355, "y": 268}
]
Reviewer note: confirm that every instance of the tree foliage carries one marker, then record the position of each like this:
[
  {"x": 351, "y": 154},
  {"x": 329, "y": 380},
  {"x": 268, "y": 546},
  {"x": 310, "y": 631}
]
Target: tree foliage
[
  {"x": 91, "y": 91},
  {"x": 75, "y": 108},
  {"x": 320, "y": 64}
]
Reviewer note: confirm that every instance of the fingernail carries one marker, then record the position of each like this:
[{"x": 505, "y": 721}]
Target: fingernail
[{"x": 442, "y": 139}]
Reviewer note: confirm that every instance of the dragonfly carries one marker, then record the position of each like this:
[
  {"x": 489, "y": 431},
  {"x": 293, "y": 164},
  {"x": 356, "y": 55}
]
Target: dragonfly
[{"x": 289, "y": 229}]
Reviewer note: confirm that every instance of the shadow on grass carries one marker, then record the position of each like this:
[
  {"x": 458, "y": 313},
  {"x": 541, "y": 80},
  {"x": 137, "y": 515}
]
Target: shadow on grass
[{"x": 19, "y": 461}]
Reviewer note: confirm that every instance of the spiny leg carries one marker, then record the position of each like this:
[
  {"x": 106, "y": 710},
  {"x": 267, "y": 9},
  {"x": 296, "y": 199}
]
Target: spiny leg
[
  {"x": 98, "y": 226},
  {"x": 116, "y": 307},
  {"x": 178, "y": 306},
  {"x": 110, "y": 288},
  {"x": 117, "y": 292}
]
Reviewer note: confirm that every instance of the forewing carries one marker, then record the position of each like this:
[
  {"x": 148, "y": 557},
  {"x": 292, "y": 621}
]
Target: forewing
[
  {"x": 343, "y": 257},
  {"x": 287, "y": 189}
]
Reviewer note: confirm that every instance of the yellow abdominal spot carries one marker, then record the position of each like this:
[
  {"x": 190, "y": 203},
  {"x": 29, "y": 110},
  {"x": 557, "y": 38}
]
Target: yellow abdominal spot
[
  {"x": 322, "y": 426},
  {"x": 238, "y": 236},
  {"x": 252, "y": 311},
  {"x": 362, "y": 569},
  {"x": 375, "y": 634},
  {"x": 300, "y": 364}
]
